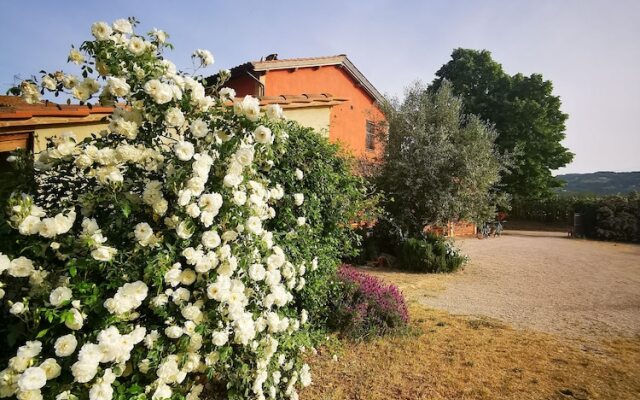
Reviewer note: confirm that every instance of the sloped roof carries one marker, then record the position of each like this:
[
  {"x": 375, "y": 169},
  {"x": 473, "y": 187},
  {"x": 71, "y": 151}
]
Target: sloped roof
[
  {"x": 341, "y": 60},
  {"x": 16, "y": 112}
]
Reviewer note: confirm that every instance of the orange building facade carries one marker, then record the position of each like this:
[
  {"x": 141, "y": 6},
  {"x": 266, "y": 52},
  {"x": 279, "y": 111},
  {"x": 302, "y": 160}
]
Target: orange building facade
[{"x": 352, "y": 122}]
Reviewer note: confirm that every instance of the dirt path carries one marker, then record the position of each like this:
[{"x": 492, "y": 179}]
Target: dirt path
[{"x": 543, "y": 281}]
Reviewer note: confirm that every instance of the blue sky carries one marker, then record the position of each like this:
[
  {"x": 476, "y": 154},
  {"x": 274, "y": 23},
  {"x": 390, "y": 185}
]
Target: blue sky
[{"x": 589, "y": 49}]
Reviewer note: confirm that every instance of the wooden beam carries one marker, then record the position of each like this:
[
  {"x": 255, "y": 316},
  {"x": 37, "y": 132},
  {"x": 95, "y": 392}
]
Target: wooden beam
[
  {"x": 11, "y": 142},
  {"x": 41, "y": 122}
]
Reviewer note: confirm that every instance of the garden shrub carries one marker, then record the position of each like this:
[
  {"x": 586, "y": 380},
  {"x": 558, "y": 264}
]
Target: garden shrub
[
  {"x": 170, "y": 256},
  {"x": 364, "y": 306},
  {"x": 334, "y": 198},
  {"x": 429, "y": 252},
  {"x": 434, "y": 253}
]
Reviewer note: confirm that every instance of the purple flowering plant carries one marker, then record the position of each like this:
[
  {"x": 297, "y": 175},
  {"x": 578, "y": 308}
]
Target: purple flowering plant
[{"x": 366, "y": 306}]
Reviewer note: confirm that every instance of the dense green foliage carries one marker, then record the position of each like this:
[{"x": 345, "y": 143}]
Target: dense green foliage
[
  {"x": 427, "y": 252},
  {"x": 600, "y": 183},
  {"x": 525, "y": 112},
  {"x": 14, "y": 174},
  {"x": 553, "y": 210},
  {"x": 334, "y": 198},
  {"x": 439, "y": 164},
  {"x": 432, "y": 254},
  {"x": 614, "y": 217}
]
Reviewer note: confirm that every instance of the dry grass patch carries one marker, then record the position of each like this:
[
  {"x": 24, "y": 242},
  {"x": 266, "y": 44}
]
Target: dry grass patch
[
  {"x": 414, "y": 285},
  {"x": 455, "y": 357}
]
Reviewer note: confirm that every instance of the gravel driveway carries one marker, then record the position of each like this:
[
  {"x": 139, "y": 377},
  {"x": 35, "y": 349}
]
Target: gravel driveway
[{"x": 547, "y": 282}]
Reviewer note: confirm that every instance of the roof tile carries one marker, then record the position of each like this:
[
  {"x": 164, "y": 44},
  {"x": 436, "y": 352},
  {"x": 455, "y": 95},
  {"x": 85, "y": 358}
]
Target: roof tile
[{"x": 13, "y": 107}]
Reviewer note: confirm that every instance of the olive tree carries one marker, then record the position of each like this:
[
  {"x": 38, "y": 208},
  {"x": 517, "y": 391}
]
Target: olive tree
[{"x": 439, "y": 164}]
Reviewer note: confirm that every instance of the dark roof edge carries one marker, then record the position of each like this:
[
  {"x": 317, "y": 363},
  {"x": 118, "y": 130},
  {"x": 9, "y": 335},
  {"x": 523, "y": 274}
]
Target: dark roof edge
[{"x": 368, "y": 86}]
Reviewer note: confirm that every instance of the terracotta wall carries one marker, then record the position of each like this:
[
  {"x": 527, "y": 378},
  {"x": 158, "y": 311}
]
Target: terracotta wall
[
  {"x": 454, "y": 229},
  {"x": 463, "y": 228},
  {"x": 348, "y": 120}
]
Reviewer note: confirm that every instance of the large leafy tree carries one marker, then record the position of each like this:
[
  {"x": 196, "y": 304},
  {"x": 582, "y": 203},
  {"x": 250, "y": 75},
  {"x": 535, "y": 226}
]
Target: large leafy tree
[
  {"x": 525, "y": 113},
  {"x": 439, "y": 164}
]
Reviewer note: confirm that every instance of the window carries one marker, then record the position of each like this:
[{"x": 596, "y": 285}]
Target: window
[{"x": 370, "y": 136}]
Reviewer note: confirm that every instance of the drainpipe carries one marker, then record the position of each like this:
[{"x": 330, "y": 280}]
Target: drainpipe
[{"x": 261, "y": 87}]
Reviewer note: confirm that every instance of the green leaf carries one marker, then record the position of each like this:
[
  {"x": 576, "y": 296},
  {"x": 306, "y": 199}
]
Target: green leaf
[
  {"x": 125, "y": 207},
  {"x": 42, "y": 333}
]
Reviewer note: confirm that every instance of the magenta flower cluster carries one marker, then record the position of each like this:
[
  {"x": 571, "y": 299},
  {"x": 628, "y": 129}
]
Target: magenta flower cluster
[{"x": 369, "y": 306}]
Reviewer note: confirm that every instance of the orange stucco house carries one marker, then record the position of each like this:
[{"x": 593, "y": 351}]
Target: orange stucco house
[{"x": 340, "y": 101}]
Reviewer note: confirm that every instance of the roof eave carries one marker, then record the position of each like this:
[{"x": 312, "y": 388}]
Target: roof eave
[
  {"x": 260, "y": 66},
  {"x": 364, "y": 82}
]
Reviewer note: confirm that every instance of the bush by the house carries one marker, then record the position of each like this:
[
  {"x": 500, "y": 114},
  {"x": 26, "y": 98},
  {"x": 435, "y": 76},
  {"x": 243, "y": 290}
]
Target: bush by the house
[
  {"x": 433, "y": 253},
  {"x": 364, "y": 306},
  {"x": 172, "y": 255}
]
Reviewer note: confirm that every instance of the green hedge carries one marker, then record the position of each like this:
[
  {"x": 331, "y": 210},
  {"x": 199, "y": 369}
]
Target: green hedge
[{"x": 614, "y": 217}]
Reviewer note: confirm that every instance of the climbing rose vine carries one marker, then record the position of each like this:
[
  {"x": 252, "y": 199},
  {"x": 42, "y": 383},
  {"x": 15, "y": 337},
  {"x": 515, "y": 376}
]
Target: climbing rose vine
[{"x": 141, "y": 265}]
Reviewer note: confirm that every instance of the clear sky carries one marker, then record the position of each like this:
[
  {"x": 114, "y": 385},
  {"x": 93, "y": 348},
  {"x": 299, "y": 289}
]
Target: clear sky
[{"x": 589, "y": 49}]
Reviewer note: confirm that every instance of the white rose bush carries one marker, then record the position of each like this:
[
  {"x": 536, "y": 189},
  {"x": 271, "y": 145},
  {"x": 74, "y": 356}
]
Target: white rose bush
[{"x": 179, "y": 254}]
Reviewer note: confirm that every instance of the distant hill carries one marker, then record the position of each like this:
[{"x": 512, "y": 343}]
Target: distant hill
[{"x": 602, "y": 182}]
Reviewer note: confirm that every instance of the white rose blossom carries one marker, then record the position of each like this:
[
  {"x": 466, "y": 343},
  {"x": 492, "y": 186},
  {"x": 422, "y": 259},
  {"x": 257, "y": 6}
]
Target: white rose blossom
[
  {"x": 101, "y": 30},
  {"x": 199, "y": 128},
  {"x": 118, "y": 87},
  {"x": 76, "y": 57},
  {"x": 274, "y": 111},
  {"x": 159, "y": 91},
  {"x": 49, "y": 83},
  {"x": 205, "y": 57},
  {"x": 211, "y": 239},
  {"x": 21, "y": 267},
  {"x": 159, "y": 35},
  {"x": 174, "y": 117},
  {"x": 137, "y": 45},
  {"x": 65, "y": 345},
  {"x": 17, "y": 308},
  {"x": 76, "y": 321},
  {"x": 123, "y": 26},
  {"x": 33, "y": 378},
  {"x": 60, "y": 295},
  {"x": 249, "y": 107},
  {"x": 227, "y": 93},
  {"x": 263, "y": 135},
  {"x": 184, "y": 150}
]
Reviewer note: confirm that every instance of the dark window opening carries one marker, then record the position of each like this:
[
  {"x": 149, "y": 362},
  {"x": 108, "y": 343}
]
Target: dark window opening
[{"x": 370, "y": 143}]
